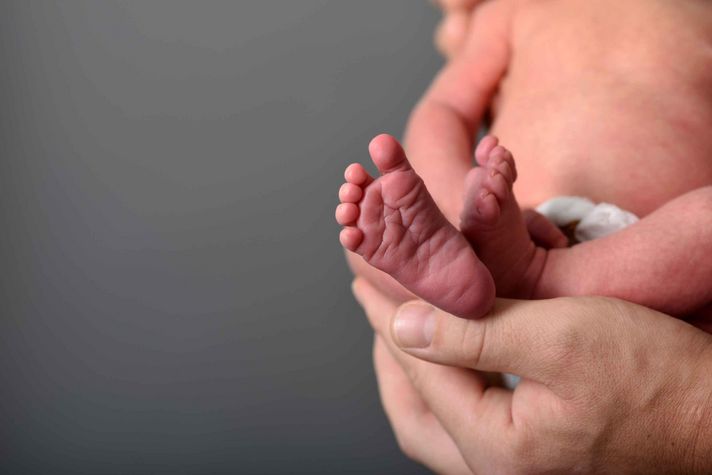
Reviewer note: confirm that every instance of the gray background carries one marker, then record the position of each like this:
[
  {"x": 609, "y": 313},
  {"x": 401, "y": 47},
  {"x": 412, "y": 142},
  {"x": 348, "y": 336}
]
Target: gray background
[{"x": 173, "y": 296}]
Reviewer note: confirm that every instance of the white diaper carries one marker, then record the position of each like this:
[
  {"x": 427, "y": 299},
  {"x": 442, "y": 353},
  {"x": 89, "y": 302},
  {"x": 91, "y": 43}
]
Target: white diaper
[{"x": 594, "y": 220}]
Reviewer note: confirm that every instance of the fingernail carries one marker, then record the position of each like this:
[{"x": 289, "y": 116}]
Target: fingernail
[{"x": 414, "y": 325}]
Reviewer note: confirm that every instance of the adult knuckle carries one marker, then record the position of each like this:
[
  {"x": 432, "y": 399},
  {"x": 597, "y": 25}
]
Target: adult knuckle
[
  {"x": 472, "y": 342},
  {"x": 567, "y": 341},
  {"x": 459, "y": 341},
  {"x": 584, "y": 331},
  {"x": 569, "y": 332}
]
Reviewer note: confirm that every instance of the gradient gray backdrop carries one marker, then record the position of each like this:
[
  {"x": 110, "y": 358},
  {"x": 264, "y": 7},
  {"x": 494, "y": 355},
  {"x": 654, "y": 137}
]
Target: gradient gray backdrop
[{"x": 173, "y": 296}]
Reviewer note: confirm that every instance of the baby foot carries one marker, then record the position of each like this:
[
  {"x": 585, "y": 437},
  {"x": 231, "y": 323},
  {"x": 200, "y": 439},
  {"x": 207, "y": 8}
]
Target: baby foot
[
  {"x": 395, "y": 225},
  {"x": 495, "y": 226}
]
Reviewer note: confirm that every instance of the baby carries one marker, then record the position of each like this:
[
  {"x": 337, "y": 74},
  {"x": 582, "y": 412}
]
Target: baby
[{"x": 606, "y": 99}]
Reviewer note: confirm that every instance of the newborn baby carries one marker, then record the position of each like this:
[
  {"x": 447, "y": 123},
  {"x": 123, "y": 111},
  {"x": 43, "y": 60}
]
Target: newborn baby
[{"x": 605, "y": 99}]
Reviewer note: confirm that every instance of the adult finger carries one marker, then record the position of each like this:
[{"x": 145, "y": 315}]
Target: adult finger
[
  {"x": 418, "y": 432},
  {"x": 536, "y": 339},
  {"x": 460, "y": 399}
]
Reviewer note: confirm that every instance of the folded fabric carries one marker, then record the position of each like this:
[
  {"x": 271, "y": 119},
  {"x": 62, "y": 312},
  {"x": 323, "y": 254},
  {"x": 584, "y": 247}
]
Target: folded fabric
[{"x": 592, "y": 220}]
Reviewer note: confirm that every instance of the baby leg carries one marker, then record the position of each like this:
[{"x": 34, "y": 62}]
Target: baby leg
[
  {"x": 495, "y": 226},
  {"x": 394, "y": 224},
  {"x": 663, "y": 261}
]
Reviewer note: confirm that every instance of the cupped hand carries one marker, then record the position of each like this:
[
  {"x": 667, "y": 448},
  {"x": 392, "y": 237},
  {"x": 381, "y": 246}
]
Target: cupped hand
[{"x": 607, "y": 386}]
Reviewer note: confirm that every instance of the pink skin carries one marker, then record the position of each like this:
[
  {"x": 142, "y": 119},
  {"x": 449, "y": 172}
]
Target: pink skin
[
  {"x": 494, "y": 225},
  {"x": 395, "y": 225},
  {"x": 640, "y": 148},
  {"x": 528, "y": 257}
]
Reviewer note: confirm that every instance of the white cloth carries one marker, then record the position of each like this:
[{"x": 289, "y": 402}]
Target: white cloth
[{"x": 595, "y": 220}]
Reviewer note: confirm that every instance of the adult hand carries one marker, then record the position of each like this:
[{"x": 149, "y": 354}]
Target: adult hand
[
  {"x": 453, "y": 28},
  {"x": 607, "y": 386}
]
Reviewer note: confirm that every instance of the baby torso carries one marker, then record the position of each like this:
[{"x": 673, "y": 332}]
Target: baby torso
[{"x": 609, "y": 99}]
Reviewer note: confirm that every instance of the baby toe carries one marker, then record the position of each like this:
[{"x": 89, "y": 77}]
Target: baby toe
[
  {"x": 350, "y": 238},
  {"x": 357, "y": 175},
  {"x": 487, "y": 208},
  {"x": 346, "y": 214},
  {"x": 497, "y": 184},
  {"x": 350, "y": 193},
  {"x": 499, "y": 163},
  {"x": 508, "y": 158},
  {"x": 484, "y": 149}
]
